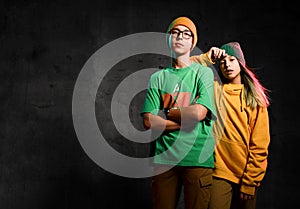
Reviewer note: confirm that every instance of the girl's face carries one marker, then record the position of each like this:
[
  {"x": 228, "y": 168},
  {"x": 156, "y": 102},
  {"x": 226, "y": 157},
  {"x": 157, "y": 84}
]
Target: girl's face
[
  {"x": 181, "y": 40},
  {"x": 231, "y": 69}
]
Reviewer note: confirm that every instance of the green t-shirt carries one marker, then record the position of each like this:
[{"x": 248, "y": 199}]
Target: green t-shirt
[{"x": 181, "y": 86}]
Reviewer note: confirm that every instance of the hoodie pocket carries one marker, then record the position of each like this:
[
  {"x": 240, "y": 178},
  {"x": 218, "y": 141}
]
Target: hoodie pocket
[{"x": 231, "y": 156}]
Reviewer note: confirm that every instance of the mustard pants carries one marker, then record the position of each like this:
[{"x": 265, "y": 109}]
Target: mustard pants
[
  {"x": 226, "y": 195},
  {"x": 196, "y": 182}
]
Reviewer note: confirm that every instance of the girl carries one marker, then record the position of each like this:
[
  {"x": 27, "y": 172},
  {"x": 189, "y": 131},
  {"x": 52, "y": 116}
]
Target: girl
[{"x": 241, "y": 131}]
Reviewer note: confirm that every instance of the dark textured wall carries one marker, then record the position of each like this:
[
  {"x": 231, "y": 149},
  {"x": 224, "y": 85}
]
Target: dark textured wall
[{"x": 44, "y": 45}]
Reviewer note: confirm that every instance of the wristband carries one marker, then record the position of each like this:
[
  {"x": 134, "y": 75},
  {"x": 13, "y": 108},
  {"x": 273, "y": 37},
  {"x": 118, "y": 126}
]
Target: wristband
[{"x": 166, "y": 111}]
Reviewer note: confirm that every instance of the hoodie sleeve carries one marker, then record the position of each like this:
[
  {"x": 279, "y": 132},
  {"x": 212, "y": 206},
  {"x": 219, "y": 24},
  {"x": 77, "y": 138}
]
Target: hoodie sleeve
[
  {"x": 201, "y": 59},
  {"x": 258, "y": 151}
]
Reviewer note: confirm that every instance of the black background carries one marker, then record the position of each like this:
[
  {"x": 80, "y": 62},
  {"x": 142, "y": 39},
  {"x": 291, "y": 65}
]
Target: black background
[{"x": 43, "y": 47}]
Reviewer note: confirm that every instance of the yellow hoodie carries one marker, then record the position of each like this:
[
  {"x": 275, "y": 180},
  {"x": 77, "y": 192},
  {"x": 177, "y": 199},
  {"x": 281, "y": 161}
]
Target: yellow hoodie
[{"x": 242, "y": 137}]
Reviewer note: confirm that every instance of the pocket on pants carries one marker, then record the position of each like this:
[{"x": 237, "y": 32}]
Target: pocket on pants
[{"x": 206, "y": 181}]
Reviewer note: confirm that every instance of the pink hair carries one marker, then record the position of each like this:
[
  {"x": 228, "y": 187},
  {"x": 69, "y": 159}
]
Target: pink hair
[{"x": 255, "y": 92}]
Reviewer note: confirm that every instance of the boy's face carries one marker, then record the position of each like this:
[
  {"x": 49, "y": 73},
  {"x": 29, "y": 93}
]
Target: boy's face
[{"x": 181, "y": 40}]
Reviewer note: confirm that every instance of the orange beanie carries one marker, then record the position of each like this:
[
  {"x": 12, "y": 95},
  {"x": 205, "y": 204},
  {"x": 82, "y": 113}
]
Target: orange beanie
[{"x": 185, "y": 21}]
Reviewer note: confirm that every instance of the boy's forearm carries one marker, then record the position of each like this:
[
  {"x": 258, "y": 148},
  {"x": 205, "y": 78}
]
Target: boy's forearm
[
  {"x": 158, "y": 123},
  {"x": 191, "y": 114}
]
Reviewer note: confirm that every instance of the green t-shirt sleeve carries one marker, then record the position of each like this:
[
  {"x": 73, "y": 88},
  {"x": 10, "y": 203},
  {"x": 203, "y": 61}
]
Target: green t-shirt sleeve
[
  {"x": 152, "y": 99},
  {"x": 206, "y": 92}
]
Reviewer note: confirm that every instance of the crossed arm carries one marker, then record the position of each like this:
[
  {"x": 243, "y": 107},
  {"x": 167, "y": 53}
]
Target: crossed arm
[{"x": 183, "y": 117}]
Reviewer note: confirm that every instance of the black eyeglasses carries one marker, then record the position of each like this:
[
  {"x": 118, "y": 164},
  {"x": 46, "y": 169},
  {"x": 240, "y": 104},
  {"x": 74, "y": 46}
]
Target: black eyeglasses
[{"x": 186, "y": 34}]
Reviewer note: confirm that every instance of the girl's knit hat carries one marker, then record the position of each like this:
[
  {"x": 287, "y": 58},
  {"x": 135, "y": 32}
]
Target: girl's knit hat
[
  {"x": 234, "y": 49},
  {"x": 185, "y": 21}
]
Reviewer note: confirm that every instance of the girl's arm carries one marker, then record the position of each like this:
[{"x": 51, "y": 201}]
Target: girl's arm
[
  {"x": 208, "y": 58},
  {"x": 258, "y": 151}
]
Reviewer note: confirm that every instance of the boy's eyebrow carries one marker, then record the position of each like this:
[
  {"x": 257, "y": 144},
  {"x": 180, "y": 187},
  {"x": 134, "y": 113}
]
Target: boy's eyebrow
[{"x": 185, "y": 30}]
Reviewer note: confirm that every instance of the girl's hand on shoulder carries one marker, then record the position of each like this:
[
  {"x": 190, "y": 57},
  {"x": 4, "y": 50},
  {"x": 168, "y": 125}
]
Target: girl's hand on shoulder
[{"x": 215, "y": 53}]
